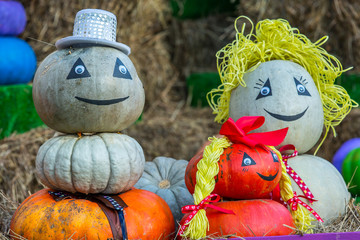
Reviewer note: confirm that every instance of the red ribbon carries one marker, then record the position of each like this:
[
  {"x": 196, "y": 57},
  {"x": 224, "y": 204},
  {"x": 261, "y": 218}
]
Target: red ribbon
[
  {"x": 237, "y": 132},
  {"x": 288, "y": 147},
  {"x": 194, "y": 209},
  {"x": 302, "y": 185},
  {"x": 293, "y": 202}
]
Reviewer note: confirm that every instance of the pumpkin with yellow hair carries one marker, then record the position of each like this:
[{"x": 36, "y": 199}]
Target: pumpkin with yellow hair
[
  {"x": 276, "y": 72},
  {"x": 242, "y": 151}
]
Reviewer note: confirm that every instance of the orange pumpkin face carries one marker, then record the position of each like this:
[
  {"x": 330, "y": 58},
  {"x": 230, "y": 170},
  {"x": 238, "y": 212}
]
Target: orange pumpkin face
[
  {"x": 41, "y": 217},
  {"x": 244, "y": 172}
]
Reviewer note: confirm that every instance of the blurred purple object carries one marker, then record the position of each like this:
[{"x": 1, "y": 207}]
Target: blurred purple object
[
  {"x": 12, "y": 18},
  {"x": 341, "y": 153}
]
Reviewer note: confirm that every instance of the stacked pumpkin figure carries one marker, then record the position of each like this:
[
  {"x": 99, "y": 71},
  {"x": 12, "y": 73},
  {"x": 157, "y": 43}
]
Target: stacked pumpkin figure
[
  {"x": 277, "y": 73},
  {"x": 89, "y": 91}
]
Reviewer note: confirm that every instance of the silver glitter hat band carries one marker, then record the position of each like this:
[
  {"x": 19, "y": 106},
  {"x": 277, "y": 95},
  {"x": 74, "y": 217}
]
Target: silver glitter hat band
[{"x": 93, "y": 27}]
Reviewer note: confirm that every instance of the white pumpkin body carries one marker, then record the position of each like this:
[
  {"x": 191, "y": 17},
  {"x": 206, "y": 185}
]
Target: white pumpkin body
[
  {"x": 326, "y": 184},
  {"x": 285, "y": 94},
  {"x": 91, "y": 89},
  {"x": 166, "y": 177},
  {"x": 107, "y": 163}
]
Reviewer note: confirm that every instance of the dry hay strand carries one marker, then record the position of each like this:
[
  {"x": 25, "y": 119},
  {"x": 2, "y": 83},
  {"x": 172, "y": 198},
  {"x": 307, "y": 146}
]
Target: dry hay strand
[
  {"x": 7, "y": 209},
  {"x": 350, "y": 222},
  {"x": 17, "y": 163},
  {"x": 142, "y": 25}
]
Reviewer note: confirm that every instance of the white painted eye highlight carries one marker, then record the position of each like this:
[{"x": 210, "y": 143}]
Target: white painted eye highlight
[
  {"x": 265, "y": 91},
  {"x": 79, "y": 69},
  {"x": 122, "y": 69},
  {"x": 247, "y": 161},
  {"x": 300, "y": 88}
]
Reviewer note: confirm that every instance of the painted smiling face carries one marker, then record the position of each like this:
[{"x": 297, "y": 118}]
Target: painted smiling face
[
  {"x": 93, "y": 89},
  {"x": 244, "y": 172},
  {"x": 286, "y": 95}
]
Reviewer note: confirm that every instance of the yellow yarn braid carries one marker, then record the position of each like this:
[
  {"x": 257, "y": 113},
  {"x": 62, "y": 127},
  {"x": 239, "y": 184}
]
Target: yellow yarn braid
[
  {"x": 302, "y": 217},
  {"x": 208, "y": 168},
  {"x": 277, "y": 40}
]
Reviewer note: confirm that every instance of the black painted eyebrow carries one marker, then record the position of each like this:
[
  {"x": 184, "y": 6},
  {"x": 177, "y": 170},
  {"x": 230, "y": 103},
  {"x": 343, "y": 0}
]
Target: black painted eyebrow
[
  {"x": 302, "y": 80},
  {"x": 259, "y": 84}
]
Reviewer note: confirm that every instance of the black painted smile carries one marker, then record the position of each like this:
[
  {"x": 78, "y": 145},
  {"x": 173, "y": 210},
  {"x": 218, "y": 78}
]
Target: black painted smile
[
  {"x": 268, "y": 178},
  {"x": 287, "y": 118},
  {"x": 102, "y": 102}
]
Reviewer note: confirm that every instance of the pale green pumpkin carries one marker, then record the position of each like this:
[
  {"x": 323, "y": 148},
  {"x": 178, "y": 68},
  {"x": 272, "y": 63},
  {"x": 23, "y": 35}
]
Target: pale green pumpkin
[
  {"x": 107, "y": 163},
  {"x": 326, "y": 184},
  {"x": 166, "y": 177},
  {"x": 90, "y": 89}
]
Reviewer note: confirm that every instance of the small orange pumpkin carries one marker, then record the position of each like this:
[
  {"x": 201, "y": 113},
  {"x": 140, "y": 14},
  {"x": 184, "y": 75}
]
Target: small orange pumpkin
[
  {"x": 244, "y": 172},
  {"x": 252, "y": 218},
  {"x": 41, "y": 217}
]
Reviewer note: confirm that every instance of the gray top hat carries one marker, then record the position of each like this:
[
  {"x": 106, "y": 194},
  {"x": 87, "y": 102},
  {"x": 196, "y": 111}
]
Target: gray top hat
[{"x": 93, "y": 27}]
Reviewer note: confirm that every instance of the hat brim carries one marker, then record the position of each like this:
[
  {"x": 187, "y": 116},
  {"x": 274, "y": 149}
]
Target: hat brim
[{"x": 75, "y": 42}]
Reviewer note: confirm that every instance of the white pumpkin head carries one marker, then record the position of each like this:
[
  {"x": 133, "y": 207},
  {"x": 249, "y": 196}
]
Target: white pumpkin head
[
  {"x": 166, "y": 177},
  {"x": 286, "y": 95},
  {"x": 107, "y": 163},
  {"x": 90, "y": 89},
  {"x": 292, "y": 72}
]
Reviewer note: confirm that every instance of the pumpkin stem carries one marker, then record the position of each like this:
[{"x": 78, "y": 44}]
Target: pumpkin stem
[
  {"x": 79, "y": 134},
  {"x": 164, "y": 184}
]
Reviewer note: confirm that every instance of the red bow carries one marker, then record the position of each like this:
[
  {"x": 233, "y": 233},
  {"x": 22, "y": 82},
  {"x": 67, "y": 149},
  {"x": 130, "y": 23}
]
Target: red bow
[
  {"x": 237, "y": 132},
  {"x": 193, "y": 209},
  {"x": 293, "y": 203}
]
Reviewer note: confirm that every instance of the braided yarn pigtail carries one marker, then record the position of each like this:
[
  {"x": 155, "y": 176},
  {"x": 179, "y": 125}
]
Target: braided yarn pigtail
[{"x": 208, "y": 168}]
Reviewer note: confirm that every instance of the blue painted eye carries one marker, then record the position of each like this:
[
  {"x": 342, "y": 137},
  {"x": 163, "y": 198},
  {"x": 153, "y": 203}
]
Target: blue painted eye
[
  {"x": 301, "y": 89},
  {"x": 120, "y": 70},
  {"x": 275, "y": 157},
  {"x": 265, "y": 90},
  {"x": 247, "y": 161},
  {"x": 78, "y": 70}
]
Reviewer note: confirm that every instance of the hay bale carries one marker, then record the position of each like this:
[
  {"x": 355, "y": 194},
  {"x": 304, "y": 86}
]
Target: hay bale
[{"x": 196, "y": 41}]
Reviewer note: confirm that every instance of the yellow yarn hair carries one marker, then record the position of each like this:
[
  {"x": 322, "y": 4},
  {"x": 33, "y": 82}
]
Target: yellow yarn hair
[
  {"x": 277, "y": 40},
  {"x": 208, "y": 168}
]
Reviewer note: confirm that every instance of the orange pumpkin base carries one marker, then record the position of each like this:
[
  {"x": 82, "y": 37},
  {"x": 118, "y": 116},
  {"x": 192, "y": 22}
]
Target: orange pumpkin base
[
  {"x": 252, "y": 218},
  {"x": 41, "y": 217}
]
